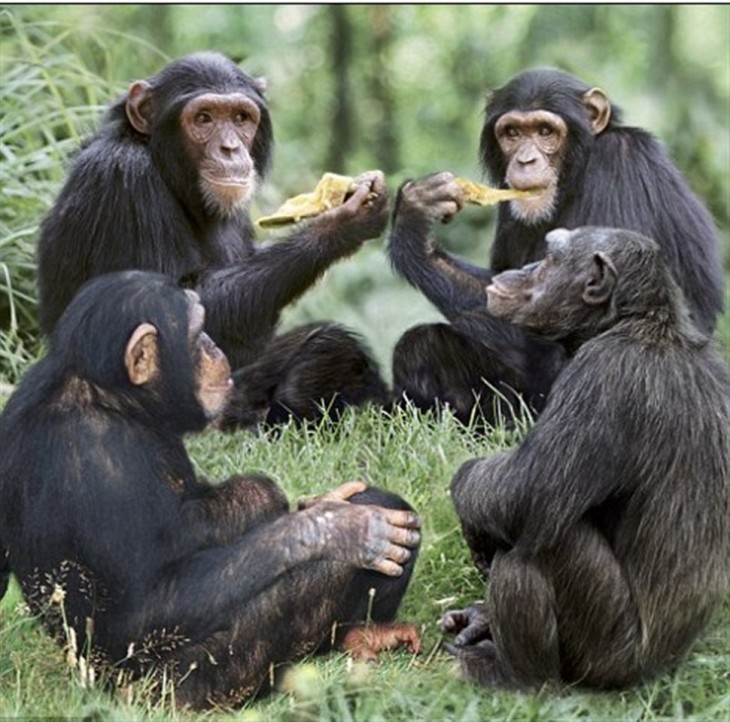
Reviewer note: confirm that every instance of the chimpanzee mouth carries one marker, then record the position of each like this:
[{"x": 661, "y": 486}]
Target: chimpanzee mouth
[
  {"x": 230, "y": 182},
  {"x": 499, "y": 291}
]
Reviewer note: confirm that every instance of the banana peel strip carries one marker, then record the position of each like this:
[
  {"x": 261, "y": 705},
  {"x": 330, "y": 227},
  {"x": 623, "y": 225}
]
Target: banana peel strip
[
  {"x": 330, "y": 192},
  {"x": 482, "y": 195}
]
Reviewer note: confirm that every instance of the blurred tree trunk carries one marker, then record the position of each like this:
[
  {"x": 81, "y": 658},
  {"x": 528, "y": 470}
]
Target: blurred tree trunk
[
  {"x": 342, "y": 128},
  {"x": 387, "y": 146}
]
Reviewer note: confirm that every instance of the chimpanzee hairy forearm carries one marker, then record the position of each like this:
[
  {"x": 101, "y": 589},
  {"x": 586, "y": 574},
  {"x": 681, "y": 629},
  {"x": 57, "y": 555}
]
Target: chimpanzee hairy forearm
[
  {"x": 454, "y": 286},
  {"x": 251, "y": 295},
  {"x": 334, "y": 531},
  {"x": 220, "y": 514},
  {"x": 244, "y": 300},
  {"x": 451, "y": 284}
]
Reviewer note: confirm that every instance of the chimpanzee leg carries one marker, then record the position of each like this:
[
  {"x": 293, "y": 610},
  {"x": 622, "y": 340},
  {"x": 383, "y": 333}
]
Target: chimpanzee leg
[
  {"x": 301, "y": 612},
  {"x": 567, "y": 614},
  {"x": 435, "y": 365},
  {"x": 312, "y": 367},
  {"x": 380, "y": 604}
]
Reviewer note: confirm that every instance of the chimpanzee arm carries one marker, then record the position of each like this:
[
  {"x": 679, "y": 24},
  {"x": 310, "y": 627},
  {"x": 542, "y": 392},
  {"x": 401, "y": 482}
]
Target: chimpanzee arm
[
  {"x": 455, "y": 287},
  {"x": 451, "y": 284},
  {"x": 249, "y": 296},
  {"x": 529, "y": 497},
  {"x": 221, "y": 514},
  {"x": 201, "y": 592}
]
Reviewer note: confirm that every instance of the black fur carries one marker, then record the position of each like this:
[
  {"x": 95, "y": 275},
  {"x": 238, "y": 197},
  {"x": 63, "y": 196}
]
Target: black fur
[
  {"x": 621, "y": 178},
  {"x": 605, "y": 535},
  {"x": 161, "y": 570},
  {"x": 131, "y": 201}
]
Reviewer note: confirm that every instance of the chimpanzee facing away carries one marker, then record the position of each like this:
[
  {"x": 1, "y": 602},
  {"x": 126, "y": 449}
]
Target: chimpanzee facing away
[
  {"x": 606, "y": 534},
  {"x": 164, "y": 186},
  {"x": 160, "y": 569},
  {"x": 549, "y": 132}
]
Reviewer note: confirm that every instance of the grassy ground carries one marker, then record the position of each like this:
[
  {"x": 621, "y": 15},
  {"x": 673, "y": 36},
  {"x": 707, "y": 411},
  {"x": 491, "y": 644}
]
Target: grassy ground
[{"x": 416, "y": 458}]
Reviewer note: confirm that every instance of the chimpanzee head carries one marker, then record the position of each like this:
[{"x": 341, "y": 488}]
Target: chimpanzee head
[
  {"x": 589, "y": 279},
  {"x": 134, "y": 341},
  {"x": 536, "y": 134},
  {"x": 208, "y": 128}
]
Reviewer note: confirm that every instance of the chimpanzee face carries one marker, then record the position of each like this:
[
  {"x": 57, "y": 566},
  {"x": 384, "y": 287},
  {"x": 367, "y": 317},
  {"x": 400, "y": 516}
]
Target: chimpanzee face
[
  {"x": 218, "y": 135},
  {"x": 567, "y": 292},
  {"x": 212, "y": 372},
  {"x": 534, "y": 144},
  {"x": 219, "y": 132}
]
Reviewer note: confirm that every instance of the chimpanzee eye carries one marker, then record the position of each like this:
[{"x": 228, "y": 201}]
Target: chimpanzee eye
[
  {"x": 203, "y": 118},
  {"x": 545, "y": 130},
  {"x": 240, "y": 118},
  {"x": 511, "y": 132}
]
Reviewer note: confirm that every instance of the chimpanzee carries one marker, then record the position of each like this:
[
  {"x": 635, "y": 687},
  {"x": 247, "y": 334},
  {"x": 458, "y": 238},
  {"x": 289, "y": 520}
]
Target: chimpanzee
[
  {"x": 606, "y": 534},
  {"x": 164, "y": 186},
  {"x": 549, "y": 132},
  {"x": 155, "y": 569}
]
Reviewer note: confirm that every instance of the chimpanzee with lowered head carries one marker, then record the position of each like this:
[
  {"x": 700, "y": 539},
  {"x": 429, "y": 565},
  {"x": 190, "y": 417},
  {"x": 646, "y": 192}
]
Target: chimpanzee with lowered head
[
  {"x": 605, "y": 535},
  {"x": 562, "y": 139},
  {"x": 111, "y": 533},
  {"x": 164, "y": 186}
]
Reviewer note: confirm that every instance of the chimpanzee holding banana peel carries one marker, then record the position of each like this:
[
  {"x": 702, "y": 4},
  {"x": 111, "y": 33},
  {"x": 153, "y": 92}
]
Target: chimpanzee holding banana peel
[{"x": 562, "y": 139}]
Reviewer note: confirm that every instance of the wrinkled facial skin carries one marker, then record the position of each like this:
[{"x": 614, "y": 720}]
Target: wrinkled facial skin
[
  {"x": 212, "y": 370},
  {"x": 544, "y": 297},
  {"x": 219, "y": 132},
  {"x": 533, "y": 144}
]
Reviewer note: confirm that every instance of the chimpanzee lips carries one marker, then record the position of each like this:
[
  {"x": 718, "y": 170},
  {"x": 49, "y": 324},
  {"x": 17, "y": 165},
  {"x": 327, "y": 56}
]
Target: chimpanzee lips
[
  {"x": 498, "y": 291},
  {"x": 229, "y": 181}
]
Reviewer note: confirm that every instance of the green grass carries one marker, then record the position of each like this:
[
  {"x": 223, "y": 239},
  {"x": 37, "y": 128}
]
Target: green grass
[{"x": 415, "y": 457}]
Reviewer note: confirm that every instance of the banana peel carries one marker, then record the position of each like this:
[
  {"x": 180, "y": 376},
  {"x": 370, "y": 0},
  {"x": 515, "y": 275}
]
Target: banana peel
[
  {"x": 482, "y": 195},
  {"x": 331, "y": 191}
]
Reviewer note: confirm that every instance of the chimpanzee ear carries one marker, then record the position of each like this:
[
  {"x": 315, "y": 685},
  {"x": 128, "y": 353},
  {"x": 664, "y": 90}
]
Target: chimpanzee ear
[
  {"x": 601, "y": 281},
  {"x": 598, "y": 107},
  {"x": 138, "y": 106},
  {"x": 141, "y": 357}
]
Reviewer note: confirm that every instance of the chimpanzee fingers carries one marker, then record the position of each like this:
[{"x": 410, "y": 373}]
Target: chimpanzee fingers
[
  {"x": 470, "y": 625},
  {"x": 374, "y": 180},
  {"x": 453, "y": 621},
  {"x": 404, "y": 537},
  {"x": 402, "y": 518},
  {"x": 437, "y": 196},
  {"x": 344, "y": 491},
  {"x": 358, "y": 198},
  {"x": 341, "y": 493},
  {"x": 387, "y": 567},
  {"x": 453, "y": 650},
  {"x": 449, "y": 210}
]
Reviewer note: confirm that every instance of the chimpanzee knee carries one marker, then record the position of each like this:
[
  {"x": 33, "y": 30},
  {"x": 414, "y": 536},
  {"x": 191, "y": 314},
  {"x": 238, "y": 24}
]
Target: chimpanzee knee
[
  {"x": 317, "y": 369},
  {"x": 381, "y": 604},
  {"x": 435, "y": 366}
]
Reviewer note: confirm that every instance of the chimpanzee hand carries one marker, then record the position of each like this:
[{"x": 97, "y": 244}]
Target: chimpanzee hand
[
  {"x": 436, "y": 197},
  {"x": 369, "y": 537},
  {"x": 470, "y": 625},
  {"x": 342, "y": 493},
  {"x": 364, "y": 214}
]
